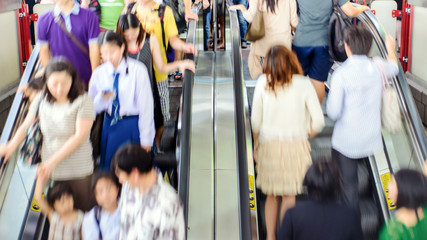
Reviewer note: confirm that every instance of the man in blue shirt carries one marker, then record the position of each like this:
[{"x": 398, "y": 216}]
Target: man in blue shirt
[{"x": 354, "y": 102}]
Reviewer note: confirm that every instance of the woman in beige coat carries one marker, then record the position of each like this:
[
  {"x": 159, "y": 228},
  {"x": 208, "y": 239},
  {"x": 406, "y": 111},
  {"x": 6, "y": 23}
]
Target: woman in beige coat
[{"x": 280, "y": 16}]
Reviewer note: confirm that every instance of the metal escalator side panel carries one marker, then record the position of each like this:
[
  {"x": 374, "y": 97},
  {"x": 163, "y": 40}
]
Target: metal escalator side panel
[
  {"x": 412, "y": 136},
  {"x": 201, "y": 169},
  {"x": 17, "y": 180},
  {"x": 406, "y": 148}
]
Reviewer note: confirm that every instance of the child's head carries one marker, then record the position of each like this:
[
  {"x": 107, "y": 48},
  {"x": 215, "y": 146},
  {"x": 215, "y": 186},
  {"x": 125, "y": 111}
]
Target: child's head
[
  {"x": 408, "y": 189},
  {"x": 130, "y": 28},
  {"x": 61, "y": 198},
  {"x": 279, "y": 65},
  {"x": 61, "y": 80},
  {"x": 106, "y": 188},
  {"x": 130, "y": 162},
  {"x": 358, "y": 40},
  {"x": 35, "y": 85},
  {"x": 113, "y": 47}
]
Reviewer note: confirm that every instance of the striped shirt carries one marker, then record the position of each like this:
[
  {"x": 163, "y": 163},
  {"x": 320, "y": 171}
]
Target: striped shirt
[
  {"x": 354, "y": 102},
  {"x": 60, "y": 231},
  {"x": 58, "y": 124}
]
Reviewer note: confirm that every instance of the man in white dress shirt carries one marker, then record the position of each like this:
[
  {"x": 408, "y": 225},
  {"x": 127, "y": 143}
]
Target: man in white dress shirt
[{"x": 354, "y": 102}]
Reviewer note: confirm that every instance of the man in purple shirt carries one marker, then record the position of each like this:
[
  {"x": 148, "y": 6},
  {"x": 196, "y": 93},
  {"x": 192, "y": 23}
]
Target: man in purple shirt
[{"x": 54, "y": 40}]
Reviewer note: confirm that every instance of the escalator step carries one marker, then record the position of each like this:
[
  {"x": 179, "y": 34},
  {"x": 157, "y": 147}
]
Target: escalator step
[
  {"x": 364, "y": 179},
  {"x": 369, "y": 218},
  {"x": 168, "y": 141}
]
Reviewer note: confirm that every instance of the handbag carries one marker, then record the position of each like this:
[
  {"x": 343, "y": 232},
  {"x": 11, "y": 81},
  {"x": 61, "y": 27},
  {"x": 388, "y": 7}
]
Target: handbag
[
  {"x": 95, "y": 135},
  {"x": 30, "y": 151},
  {"x": 390, "y": 111},
  {"x": 256, "y": 29}
]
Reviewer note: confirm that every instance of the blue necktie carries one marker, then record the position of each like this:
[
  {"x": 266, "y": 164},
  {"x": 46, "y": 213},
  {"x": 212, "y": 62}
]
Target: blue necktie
[{"x": 115, "y": 110}]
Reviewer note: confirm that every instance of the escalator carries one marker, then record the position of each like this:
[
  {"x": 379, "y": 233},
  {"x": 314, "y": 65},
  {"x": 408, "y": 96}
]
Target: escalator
[
  {"x": 214, "y": 181},
  {"x": 214, "y": 159},
  {"x": 404, "y": 149}
]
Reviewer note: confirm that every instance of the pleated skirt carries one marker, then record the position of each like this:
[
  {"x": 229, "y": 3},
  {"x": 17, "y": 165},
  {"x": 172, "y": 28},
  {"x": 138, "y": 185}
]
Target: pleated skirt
[{"x": 281, "y": 166}]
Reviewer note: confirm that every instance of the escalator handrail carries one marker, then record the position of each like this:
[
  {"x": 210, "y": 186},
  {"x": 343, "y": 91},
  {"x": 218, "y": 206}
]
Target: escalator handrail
[
  {"x": 416, "y": 130},
  {"x": 184, "y": 142},
  {"x": 242, "y": 168},
  {"x": 18, "y": 100}
]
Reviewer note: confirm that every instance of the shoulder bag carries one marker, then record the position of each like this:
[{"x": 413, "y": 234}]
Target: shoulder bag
[
  {"x": 30, "y": 151},
  {"x": 390, "y": 111},
  {"x": 256, "y": 29}
]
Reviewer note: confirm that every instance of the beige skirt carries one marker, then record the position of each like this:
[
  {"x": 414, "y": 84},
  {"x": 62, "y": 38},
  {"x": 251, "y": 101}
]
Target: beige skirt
[{"x": 281, "y": 166}]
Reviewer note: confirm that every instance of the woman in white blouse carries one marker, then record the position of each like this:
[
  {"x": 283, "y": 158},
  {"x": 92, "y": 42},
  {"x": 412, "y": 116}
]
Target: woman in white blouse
[
  {"x": 285, "y": 114},
  {"x": 121, "y": 87}
]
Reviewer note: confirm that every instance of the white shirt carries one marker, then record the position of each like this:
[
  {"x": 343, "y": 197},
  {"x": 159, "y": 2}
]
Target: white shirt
[
  {"x": 135, "y": 94},
  {"x": 109, "y": 223},
  {"x": 289, "y": 114},
  {"x": 354, "y": 101}
]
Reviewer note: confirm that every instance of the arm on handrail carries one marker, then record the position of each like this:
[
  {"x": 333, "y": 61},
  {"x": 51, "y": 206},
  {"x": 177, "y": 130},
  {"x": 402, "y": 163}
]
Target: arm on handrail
[
  {"x": 352, "y": 11},
  {"x": 6, "y": 150}
]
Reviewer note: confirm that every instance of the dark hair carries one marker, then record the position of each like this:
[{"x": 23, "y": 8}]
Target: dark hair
[
  {"x": 129, "y": 20},
  {"x": 114, "y": 38},
  {"x": 60, "y": 64},
  {"x": 322, "y": 180},
  {"x": 358, "y": 39},
  {"x": 280, "y": 64},
  {"x": 411, "y": 189},
  {"x": 271, "y": 5},
  {"x": 57, "y": 191},
  {"x": 105, "y": 175},
  {"x": 132, "y": 156},
  {"x": 36, "y": 83}
]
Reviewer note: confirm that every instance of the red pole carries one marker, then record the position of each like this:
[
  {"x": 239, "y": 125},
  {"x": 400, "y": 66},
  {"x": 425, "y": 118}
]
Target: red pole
[
  {"x": 411, "y": 24},
  {"x": 404, "y": 37}
]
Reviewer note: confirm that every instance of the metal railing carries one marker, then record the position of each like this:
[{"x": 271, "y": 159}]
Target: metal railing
[
  {"x": 246, "y": 231},
  {"x": 184, "y": 122}
]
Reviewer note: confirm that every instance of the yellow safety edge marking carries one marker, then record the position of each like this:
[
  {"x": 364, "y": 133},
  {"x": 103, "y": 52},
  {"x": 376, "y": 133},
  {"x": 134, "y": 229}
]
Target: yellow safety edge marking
[
  {"x": 34, "y": 206},
  {"x": 385, "y": 180},
  {"x": 252, "y": 205},
  {"x": 166, "y": 177}
]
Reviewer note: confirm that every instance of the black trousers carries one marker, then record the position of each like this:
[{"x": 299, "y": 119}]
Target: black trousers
[{"x": 349, "y": 179}]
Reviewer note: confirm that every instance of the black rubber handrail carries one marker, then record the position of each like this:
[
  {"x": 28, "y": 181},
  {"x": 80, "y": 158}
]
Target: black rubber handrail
[
  {"x": 184, "y": 141},
  {"x": 15, "y": 109},
  {"x": 242, "y": 168}
]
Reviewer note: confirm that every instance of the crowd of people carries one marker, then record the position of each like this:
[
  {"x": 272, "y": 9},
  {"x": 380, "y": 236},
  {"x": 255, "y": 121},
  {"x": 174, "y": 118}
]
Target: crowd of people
[{"x": 115, "y": 65}]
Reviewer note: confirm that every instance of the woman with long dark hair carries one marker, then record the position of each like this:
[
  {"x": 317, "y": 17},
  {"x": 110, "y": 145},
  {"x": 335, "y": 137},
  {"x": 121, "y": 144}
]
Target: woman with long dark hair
[
  {"x": 280, "y": 16},
  {"x": 145, "y": 48}
]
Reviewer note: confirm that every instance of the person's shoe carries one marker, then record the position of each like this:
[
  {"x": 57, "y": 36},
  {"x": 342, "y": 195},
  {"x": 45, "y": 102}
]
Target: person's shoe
[{"x": 244, "y": 45}]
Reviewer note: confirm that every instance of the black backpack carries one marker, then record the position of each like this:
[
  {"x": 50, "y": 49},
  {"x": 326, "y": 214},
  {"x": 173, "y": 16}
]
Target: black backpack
[{"x": 337, "y": 26}]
